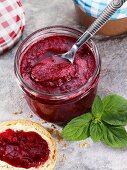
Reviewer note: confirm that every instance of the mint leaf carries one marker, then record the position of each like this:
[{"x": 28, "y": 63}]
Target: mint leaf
[
  {"x": 77, "y": 128},
  {"x": 115, "y": 110},
  {"x": 95, "y": 131},
  {"x": 114, "y": 136},
  {"x": 97, "y": 107}
]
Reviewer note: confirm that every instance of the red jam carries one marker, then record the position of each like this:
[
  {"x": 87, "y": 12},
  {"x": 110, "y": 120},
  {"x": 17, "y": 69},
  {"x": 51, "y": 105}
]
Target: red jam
[
  {"x": 45, "y": 72},
  {"x": 23, "y": 149},
  {"x": 54, "y": 88}
]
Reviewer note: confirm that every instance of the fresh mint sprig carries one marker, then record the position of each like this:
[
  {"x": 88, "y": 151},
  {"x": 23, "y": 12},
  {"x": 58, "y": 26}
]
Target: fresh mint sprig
[{"x": 104, "y": 123}]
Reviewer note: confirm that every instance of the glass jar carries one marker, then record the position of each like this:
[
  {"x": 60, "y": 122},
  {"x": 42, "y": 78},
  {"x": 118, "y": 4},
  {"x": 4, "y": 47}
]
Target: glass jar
[
  {"x": 87, "y": 11},
  {"x": 58, "y": 108}
]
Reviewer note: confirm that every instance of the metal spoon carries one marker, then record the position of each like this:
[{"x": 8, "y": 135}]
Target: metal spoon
[{"x": 97, "y": 24}]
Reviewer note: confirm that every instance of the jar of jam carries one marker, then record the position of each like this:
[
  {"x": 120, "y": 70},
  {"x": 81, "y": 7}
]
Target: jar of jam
[
  {"x": 88, "y": 10},
  {"x": 54, "y": 88}
]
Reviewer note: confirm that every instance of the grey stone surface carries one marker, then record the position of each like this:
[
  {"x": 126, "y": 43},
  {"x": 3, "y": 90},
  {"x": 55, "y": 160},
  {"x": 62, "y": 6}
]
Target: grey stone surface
[{"x": 41, "y": 13}]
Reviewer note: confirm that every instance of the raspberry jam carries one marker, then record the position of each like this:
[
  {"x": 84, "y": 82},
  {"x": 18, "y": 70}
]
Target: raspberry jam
[
  {"x": 54, "y": 88},
  {"x": 23, "y": 149},
  {"x": 48, "y": 73}
]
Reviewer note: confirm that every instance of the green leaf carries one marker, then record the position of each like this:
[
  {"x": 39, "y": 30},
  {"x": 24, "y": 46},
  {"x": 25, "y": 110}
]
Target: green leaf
[
  {"x": 95, "y": 131},
  {"x": 115, "y": 110},
  {"x": 97, "y": 107},
  {"x": 77, "y": 128},
  {"x": 114, "y": 136},
  {"x": 114, "y": 102},
  {"x": 118, "y": 118}
]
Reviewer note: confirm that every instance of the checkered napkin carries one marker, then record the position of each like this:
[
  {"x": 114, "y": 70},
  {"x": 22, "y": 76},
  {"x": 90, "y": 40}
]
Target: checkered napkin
[
  {"x": 12, "y": 22},
  {"x": 95, "y": 7}
]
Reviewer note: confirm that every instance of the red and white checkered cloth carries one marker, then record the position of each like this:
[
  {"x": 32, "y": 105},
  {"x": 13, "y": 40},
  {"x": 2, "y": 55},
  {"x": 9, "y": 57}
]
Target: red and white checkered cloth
[{"x": 12, "y": 22}]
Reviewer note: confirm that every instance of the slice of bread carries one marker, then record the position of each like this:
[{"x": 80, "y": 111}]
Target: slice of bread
[{"x": 27, "y": 126}]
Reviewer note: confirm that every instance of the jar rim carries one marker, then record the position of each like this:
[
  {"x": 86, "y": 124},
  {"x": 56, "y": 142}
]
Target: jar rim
[{"x": 56, "y": 27}]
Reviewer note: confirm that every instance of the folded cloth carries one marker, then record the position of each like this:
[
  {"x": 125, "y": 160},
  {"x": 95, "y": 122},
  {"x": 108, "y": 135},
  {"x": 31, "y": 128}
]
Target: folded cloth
[
  {"x": 95, "y": 7},
  {"x": 12, "y": 22}
]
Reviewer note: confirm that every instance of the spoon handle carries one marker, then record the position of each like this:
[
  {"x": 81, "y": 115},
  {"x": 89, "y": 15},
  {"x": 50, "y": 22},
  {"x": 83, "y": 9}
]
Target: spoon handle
[{"x": 98, "y": 23}]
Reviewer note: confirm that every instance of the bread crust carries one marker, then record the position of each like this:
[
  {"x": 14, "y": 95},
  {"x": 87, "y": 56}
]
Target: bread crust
[{"x": 40, "y": 130}]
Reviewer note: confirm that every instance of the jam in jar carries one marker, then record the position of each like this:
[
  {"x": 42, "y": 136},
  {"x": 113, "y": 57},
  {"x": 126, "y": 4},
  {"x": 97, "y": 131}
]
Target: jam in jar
[{"x": 54, "y": 88}]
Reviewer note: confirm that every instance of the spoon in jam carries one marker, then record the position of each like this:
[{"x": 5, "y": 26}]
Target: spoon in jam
[{"x": 91, "y": 31}]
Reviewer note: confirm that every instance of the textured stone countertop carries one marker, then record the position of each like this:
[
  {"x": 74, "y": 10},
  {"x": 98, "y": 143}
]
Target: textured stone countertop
[{"x": 41, "y": 13}]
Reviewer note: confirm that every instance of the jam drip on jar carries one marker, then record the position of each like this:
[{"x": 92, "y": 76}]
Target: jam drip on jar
[{"x": 23, "y": 149}]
